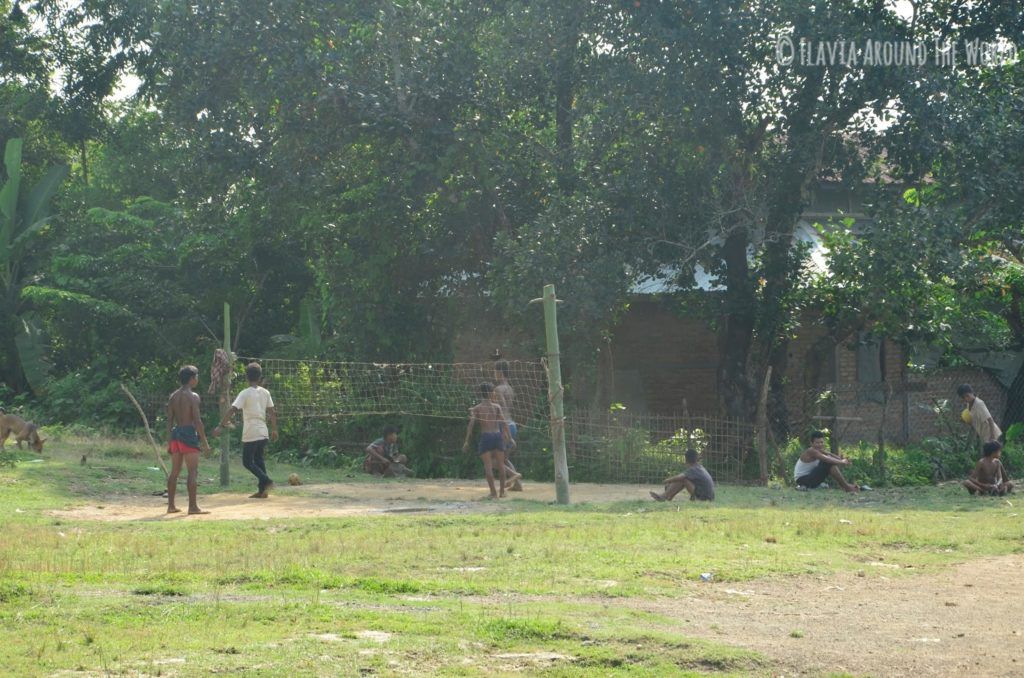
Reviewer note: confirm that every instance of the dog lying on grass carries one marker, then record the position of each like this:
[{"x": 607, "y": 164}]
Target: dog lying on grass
[{"x": 24, "y": 431}]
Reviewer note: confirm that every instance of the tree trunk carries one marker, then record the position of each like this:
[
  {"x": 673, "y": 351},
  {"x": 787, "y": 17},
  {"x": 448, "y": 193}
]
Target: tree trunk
[
  {"x": 738, "y": 390},
  {"x": 83, "y": 152},
  {"x": 778, "y": 405},
  {"x": 1014, "y": 412}
]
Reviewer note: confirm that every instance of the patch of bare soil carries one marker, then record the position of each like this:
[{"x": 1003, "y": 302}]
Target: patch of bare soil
[
  {"x": 344, "y": 499},
  {"x": 961, "y": 620}
]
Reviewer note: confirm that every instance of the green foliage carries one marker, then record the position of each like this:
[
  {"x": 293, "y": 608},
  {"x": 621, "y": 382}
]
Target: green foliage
[
  {"x": 502, "y": 629},
  {"x": 23, "y": 216},
  {"x": 92, "y": 390},
  {"x": 363, "y": 178},
  {"x": 385, "y": 586}
]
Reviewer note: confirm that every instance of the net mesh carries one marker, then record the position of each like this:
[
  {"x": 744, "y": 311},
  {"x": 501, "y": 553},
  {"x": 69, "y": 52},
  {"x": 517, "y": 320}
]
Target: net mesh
[
  {"x": 311, "y": 389},
  {"x": 345, "y": 403},
  {"x": 323, "y": 390},
  {"x": 646, "y": 448}
]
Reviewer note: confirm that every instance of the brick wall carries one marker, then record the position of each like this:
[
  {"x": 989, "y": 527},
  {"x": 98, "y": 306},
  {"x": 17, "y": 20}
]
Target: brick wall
[
  {"x": 941, "y": 386},
  {"x": 660, "y": 358},
  {"x": 480, "y": 332},
  {"x": 863, "y": 407}
]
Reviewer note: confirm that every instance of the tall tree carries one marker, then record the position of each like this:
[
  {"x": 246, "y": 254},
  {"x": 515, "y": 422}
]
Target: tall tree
[{"x": 23, "y": 215}]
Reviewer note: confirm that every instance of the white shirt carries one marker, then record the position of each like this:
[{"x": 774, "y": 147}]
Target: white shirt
[
  {"x": 802, "y": 467},
  {"x": 979, "y": 420},
  {"x": 253, "y": 403}
]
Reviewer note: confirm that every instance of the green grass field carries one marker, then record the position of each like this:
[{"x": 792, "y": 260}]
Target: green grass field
[{"x": 535, "y": 587}]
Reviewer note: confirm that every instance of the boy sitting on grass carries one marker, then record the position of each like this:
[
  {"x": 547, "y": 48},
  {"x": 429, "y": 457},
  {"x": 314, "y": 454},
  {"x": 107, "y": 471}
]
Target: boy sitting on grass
[
  {"x": 816, "y": 465},
  {"x": 695, "y": 479},
  {"x": 494, "y": 437},
  {"x": 989, "y": 476}
]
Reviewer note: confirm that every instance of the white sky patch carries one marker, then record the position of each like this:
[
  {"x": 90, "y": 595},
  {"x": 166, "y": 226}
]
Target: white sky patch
[{"x": 127, "y": 83}]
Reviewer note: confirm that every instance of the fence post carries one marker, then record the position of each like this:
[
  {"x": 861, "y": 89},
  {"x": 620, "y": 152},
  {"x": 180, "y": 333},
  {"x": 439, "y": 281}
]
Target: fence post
[
  {"x": 555, "y": 393},
  {"x": 225, "y": 399},
  {"x": 880, "y": 454},
  {"x": 762, "y": 427}
]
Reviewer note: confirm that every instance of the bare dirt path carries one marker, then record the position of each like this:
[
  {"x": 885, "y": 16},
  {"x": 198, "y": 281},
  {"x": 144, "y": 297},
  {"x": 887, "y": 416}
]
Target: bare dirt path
[
  {"x": 344, "y": 499},
  {"x": 961, "y": 620}
]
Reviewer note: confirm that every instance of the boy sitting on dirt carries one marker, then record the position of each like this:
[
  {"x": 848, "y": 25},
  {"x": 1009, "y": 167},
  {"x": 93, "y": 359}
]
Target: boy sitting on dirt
[
  {"x": 695, "y": 479},
  {"x": 989, "y": 475},
  {"x": 383, "y": 458}
]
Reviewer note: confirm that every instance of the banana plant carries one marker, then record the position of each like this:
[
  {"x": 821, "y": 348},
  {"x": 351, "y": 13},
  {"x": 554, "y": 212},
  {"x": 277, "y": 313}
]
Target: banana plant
[{"x": 23, "y": 214}]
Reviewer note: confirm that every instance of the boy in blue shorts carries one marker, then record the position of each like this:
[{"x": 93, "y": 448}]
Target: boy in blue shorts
[
  {"x": 504, "y": 395},
  {"x": 494, "y": 437}
]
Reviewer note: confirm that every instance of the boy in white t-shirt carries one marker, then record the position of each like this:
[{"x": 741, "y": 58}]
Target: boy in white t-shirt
[
  {"x": 256, "y": 405},
  {"x": 979, "y": 418}
]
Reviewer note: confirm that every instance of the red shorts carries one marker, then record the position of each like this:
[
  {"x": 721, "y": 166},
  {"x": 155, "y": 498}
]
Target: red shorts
[{"x": 178, "y": 447}]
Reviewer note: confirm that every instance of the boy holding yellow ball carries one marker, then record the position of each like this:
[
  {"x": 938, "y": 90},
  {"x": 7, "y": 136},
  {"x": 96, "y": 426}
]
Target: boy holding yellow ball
[{"x": 977, "y": 416}]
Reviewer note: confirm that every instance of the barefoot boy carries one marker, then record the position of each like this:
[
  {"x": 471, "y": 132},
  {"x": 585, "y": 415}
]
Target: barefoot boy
[
  {"x": 255, "y": 404},
  {"x": 979, "y": 418},
  {"x": 989, "y": 475},
  {"x": 185, "y": 434},
  {"x": 494, "y": 437},
  {"x": 383, "y": 457},
  {"x": 504, "y": 395},
  {"x": 695, "y": 479},
  {"x": 815, "y": 465}
]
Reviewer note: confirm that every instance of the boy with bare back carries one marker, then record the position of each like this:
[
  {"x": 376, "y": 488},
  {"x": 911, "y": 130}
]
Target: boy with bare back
[
  {"x": 989, "y": 475},
  {"x": 185, "y": 434},
  {"x": 494, "y": 437},
  {"x": 504, "y": 395}
]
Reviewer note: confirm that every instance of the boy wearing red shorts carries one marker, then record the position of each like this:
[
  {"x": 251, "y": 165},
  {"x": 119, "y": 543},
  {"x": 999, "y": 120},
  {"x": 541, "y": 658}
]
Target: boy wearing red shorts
[{"x": 185, "y": 434}]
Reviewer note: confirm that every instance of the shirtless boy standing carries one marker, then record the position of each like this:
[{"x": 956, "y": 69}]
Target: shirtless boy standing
[
  {"x": 494, "y": 437},
  {"x": 504, "y": 395},
  {"x": 185, "y": 434}
]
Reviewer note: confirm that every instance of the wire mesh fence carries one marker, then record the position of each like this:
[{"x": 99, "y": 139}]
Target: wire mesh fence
[
  {"x": 924, "y": 406},
  {"x": 310, "y": 389},
  {"x": 646, "y": 448},
  {"x": 331, "y": 401}
]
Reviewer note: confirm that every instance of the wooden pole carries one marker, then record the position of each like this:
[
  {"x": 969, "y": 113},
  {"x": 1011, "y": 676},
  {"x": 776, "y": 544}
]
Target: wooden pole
[
  {"x": 225, "y": 400},
  {"x": 149, "y": 431},
  {"x": 555, "y": 393}
]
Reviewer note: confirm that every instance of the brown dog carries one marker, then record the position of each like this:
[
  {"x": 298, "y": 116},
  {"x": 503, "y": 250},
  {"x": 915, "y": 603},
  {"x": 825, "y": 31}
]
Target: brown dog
[{"x": 24, "y": 431}]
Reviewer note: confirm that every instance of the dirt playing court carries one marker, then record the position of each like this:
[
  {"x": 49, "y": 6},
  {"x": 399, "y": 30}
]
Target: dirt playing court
[{"x": 346, "y": 499}]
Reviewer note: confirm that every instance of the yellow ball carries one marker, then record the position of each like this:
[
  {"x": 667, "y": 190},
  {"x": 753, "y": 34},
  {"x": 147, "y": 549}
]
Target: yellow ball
[
  {"x": 966, "y": 416},
  {"x": 294, "y": 479}
]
